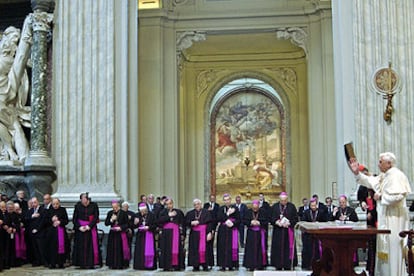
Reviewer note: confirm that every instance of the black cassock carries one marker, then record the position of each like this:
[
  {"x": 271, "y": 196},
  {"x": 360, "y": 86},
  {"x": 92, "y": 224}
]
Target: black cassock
[
  {"x": 86, "y": 252},
  {"x": 3, "y": 238},
  {"x": 227, "y": 238},
  {"x": 58, "y": 244},
  {"x": 311, "y": 248},
  {"x": 171, "y": 244},
  {"x": 200, "y": 251},
  {"x": 348, "y": 212},
  {"x": 283, "y": 245},
  {"x": 255, "y": 252},
  {"x": 117, "y": 250},
  {"x": 11, "y": 221},
  {"x": 145, "y": 255}
]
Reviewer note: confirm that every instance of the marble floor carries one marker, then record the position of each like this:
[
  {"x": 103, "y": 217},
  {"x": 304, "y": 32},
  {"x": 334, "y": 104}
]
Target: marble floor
[
  {"x": 34, "y": 271},
  {"x": 72, "y": 271}
]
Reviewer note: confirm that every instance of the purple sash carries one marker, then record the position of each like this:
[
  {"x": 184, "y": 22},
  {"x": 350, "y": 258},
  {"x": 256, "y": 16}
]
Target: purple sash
[
  {"x": 234, "y": 241},
  {"x": 202, "y": 229},
  {"x": 291, "y": 242},
  {"x": 61, "y": 239},
  {"x": 20, "y": 244},
  {"x": 175, "y": 240},
  {"x": 149, "y": 248},
  {"x": 94, "y": 234},
  {"x": 262, "y": 234},
  {"x": 125, "y": 245}
]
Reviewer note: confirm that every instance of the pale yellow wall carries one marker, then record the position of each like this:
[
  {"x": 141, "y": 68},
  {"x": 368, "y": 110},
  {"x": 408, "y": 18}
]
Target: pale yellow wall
[
  {"x": 172, "y": 113},
  {"x": 223, "y": 62}
]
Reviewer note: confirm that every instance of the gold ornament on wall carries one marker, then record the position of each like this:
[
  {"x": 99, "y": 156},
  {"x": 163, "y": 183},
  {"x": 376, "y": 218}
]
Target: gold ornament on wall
[{"x": 387, "y": 83}]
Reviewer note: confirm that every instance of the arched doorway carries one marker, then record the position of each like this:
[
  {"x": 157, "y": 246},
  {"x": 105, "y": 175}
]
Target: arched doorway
[{"x": 248, "y": 130}]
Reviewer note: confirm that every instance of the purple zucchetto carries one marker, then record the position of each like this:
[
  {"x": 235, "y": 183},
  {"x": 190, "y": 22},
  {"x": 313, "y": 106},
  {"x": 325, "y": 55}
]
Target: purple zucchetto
[
  {"x": 283, "y": 195},
  {"x": 142, "y": 206},
  {"x": 255, "y": 202},
  {"x": 344, "y": 196}
]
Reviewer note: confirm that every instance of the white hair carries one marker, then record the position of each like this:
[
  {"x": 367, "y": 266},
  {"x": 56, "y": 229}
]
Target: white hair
[
  {"x": 196, "y": 200},
  {"x": 19, "y": 192},
  {"x": 125, "y": 203},
  {"x": 389, "y": 157}
]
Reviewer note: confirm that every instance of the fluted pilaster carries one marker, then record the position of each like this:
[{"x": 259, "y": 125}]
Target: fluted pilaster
[
  {"x": 383, "y": 32},
  {"x": 85, "y": 97}
]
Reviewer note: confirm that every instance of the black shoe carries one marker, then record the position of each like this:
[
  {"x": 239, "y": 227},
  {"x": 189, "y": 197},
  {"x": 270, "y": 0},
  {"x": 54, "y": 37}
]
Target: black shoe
[
  {"x": 222, "y": 269},
  {"x": 196, "y": 268},
  {"x": 205, "y": 268},
  {"x": 231, "y": 268}
]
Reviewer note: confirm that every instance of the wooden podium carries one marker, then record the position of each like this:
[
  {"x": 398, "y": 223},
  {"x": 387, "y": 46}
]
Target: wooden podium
[{"x": 339, "y": 244}]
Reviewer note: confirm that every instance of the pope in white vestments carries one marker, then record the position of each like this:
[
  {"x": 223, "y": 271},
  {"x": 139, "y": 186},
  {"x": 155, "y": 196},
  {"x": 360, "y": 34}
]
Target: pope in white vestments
[{"x": 391, "y": 188}]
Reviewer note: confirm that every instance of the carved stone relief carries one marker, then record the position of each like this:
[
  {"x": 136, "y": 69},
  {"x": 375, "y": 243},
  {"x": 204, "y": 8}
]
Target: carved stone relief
[
  {"x": 172, "y": 4},
  {"x": 298, "y": 36},
  {"x": 205, "y": 78},
  {"x": 184, "y": 41},
  {"x": 287, "y": 76}
]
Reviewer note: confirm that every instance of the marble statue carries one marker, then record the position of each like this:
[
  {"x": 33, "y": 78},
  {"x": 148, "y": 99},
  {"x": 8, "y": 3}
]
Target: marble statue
[{"x": 14, "y": 89}]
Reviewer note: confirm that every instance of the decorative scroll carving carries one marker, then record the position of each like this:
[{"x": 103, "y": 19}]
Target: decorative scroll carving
[
  {"x": 172, "y": 4},
  {"x": 288, "y": 76},
  {"x": 297, "y": 36},
  {"x": 204, "y": 79},
  {"x": 184, "y": 41}
]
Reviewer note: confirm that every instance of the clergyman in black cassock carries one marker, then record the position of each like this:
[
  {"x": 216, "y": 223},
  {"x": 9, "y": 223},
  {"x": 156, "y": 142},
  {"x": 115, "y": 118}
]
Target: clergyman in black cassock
[
  {"x": 131, "y": 216},
  {"x": 3, "y": 235},
  {"x": 200, "y": 241},
  {"x": 145, "y": 255},
  {"x": 369, "y": 205},
  {"x": 212, "y": 206},
  {"x": 255, "y": 253},
  {"x": 12, "y": 226},
  {"x": 343, "y": 212},
  {"x": 283, "y": 218},
  {"x": 86, "y": 253},
  {"x": 58, "y": 244},
  {"x": 35, "y": 218},
  {"x": 312, "y": 248},
  {"x": 171, "y": 220},
  {"x": 228, "y": 218},
  {"x": 118, "y": 253}
]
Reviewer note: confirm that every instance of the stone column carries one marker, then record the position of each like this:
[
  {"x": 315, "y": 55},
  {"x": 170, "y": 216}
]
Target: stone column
[
  {"x": 95, "y": 90},
  {"x": 38, "y": 155}
]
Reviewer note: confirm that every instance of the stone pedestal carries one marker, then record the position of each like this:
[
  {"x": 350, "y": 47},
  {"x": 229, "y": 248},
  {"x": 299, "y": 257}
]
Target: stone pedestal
[{"x": 36, "y": 181}]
